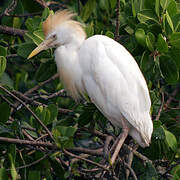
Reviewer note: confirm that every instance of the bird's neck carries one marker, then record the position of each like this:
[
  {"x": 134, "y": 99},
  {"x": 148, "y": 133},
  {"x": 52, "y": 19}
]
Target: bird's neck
[{"x": 67, "y": 60}]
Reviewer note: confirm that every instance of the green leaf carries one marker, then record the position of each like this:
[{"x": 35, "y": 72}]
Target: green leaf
[
  {"x": 176, "y": 22},
  {"x": 3, "y": 174},
  {"x": 66, "y": 131},
  {"x": 169, "y": 21},
  {"x": 25, "y": 49},
  {"x": 4, "y": 112},
  {"x": 162, "y": 45},
  {"x": 3, "y": 51},
  {"x": 2, "y": 65},
  {"x": 150, "y": 171},
  {"x": 133, "y": 8},
  {"x": 171, "y": 140},
  {"x": 165, "y": 4},
  {"x": 13, "y": 171},
  {"x": 172, "y": 9},
  {"x": 146, "y": 15},
  {"x": 45, "y": 13},
  {"x": 64, "y": 136},
  {"x": 146, "y": 64},
  {"x": 32, "y": 24},
  {"x": 32, "y": 133},
  {"x": 6, "y": 80},
  {"x": 150, "y": 40},
  {"x": 157, "y": 124},
  {"x": 175, "y": 40},
  {"x": 157, "y": 7},
  {"x": 16, "y": 22},
  {"x": 140, "y": 37},
  {"x": 34, "y": 175},
  {"x": 158, "y": 133},
  {"x": 90, "y": 29},
  {"x": 39, "y": 34},
  {"x": 44, "y": 114},
  {"x": 53, "y": 111},
  {"x": 175, "y": 54},
  {"x": 113, "y": 3},
  {"x": 88, "y": 9},
  {"x": 110, "y": 34},
  {"x": 169, "y": 69},
  {"x": 35, "y": 37},
  {"x": 40, "y": 75}
]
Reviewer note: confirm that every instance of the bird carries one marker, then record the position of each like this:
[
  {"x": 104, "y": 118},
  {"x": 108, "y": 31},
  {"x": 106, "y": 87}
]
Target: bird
[{"x": 104, "y": 70}]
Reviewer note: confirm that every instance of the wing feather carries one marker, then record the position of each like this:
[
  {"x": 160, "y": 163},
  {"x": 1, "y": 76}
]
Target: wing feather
[{"x": 115, "y": 84}]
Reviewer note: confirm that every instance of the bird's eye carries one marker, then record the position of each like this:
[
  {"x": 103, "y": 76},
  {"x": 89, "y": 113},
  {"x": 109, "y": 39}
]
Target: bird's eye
[{"x": 54, "y": 36}]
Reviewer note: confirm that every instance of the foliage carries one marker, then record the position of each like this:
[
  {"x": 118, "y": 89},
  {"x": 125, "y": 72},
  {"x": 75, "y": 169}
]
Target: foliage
[{"x": 150, "y": 30}]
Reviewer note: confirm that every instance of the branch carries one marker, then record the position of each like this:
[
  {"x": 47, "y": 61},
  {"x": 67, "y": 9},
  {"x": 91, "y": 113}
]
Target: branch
[
  {"x": 94, "y": 152},
  {"x": 161, "y": 108},
  {"x": 10, "y": 8},
  {"x": 36, "y": 103},
  {"x": 87, "y": 160},
  {"x": 34, "y": 115},
  {"x": 117, "y": 20},
  {"x": 33, "y": 163},
  {"x": 42, "y": 84},
  {"x": 42, "y": 3},
  {"x": 171, "y": 97},
  {"x": 27, "y": 142},
  {"x": 12, "y": 31},
  {"x": 131, "y": 170}
]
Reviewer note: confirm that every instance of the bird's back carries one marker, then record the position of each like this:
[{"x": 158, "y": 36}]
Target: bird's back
[{"x": 116, "y": 85}]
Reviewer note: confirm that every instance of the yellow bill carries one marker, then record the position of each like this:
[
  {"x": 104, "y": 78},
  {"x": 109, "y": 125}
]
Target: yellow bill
[{"x": 47, "y": 43}]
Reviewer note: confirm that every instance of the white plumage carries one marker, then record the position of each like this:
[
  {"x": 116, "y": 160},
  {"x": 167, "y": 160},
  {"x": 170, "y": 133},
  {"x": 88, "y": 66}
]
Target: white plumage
[{"x": 105, "y": 70}]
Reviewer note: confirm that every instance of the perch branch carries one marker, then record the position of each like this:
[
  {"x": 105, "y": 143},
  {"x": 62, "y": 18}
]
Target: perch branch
[{"x": 12, "y": 31}]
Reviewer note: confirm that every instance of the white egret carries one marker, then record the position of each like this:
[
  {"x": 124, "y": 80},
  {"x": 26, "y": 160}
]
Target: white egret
[{"x": 105, "y": 70}]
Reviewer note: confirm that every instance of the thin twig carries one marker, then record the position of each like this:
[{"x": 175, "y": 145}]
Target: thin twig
[
  {"x": 94, "y": 152},
  {"x": 42, "y": 3},
  {"x": 171, "y": 97},
  {"x": 117, "y": 20},
  {"x": 84, "y": 159},
  {"x": 36, "y": 103},
  {"x": 136, "y": 153},
  {"x": 34, "y": 115},
  {"x": 10, "y": 8},
  {"x": 161, "y": 107},
  {"x": 24, "y": 15},
  {"x": 33, "y": 163},
  {"x": 41, "y": 84}
]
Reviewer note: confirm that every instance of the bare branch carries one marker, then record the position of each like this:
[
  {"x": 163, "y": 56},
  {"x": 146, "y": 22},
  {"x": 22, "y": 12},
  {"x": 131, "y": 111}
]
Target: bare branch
[
  {"x": 161, "y": 107},
  {"x": 10, "y": 8},
  {"x": 131, "y": 170},
  {"x": 117, "y": 20},
  {"x": 171, "y": 97},
  {"x": 84, "y": 159},
  {"x": 42, "y": 84},
  {"x": 27, "y": 142},
  {"x": 12, "y": 31},
  {"x": 42, "y": 3}
]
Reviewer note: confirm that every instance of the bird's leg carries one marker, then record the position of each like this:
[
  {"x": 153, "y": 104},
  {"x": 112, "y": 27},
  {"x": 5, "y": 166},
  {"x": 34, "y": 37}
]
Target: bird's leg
[{"x": 121, "y": 139}]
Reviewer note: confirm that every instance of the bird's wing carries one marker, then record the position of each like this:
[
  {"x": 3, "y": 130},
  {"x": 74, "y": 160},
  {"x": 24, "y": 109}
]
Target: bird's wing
[{"x": 114, "y": 82}]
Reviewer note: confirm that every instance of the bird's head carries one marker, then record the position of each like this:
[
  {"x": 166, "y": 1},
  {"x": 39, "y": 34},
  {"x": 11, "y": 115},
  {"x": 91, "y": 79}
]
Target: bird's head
[{"x": 59, "y": 29}]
